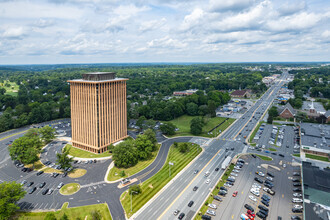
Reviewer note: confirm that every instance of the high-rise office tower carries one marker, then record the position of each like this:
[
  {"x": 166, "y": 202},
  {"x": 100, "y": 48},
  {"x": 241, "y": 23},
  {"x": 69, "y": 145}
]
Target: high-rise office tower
[{"x": 98, "y": 111}]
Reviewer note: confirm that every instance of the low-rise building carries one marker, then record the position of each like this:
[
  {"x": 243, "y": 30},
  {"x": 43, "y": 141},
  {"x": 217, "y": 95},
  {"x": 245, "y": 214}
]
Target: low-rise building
[
  {"x": 287, "y": 111},
  {"x": 245, "y": 93},
  {"x": 185, "y": 93},
  {"x": 315, "y": 139}
]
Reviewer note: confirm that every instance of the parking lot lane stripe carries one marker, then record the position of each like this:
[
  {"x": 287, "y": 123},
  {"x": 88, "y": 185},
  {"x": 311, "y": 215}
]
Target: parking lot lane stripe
[{"x": 232, "y": 217}]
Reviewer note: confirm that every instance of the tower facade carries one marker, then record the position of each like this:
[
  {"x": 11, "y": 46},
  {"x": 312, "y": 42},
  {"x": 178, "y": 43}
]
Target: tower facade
[{"x": 98, "y": 111}]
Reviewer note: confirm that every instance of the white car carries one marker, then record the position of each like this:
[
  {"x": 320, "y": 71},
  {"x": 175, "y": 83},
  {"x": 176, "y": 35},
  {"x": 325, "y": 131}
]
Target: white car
[
  {"x": 263, "y": 146},
  {"x": 233, "y": 174},
  {"x": 236, "y": 171},
  {"x": 253, "y": 198},
  {"x": 260, "y": 173},
  {"x": 232, "y": 177},
  {"x": 297, "y": 195},
  {"x": 284, "y": 165},
  {"x": 237, "y": 167},
  {"x": 256, "y": 185},
  {"x": 297, "y": 200},
  {"x": 210, "y": 212},
  {"x": 207, "y": 181},
  {"x": 297, "y": 206},
  {"x": 269, "y": 178},
  {"x": 213, "y": 206},
  {"x": 227, "y": 185},
  {"x": 256, "y": 193},
  {"x": 265, "y": 189}
]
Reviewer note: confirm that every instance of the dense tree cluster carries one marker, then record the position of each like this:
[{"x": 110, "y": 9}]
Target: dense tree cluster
[
  {"x": 129, "y": 152},
  {"x": 63, "y": 159},
  {"x": 168, "y": 128},
  {"x": 44, "y": 93}
]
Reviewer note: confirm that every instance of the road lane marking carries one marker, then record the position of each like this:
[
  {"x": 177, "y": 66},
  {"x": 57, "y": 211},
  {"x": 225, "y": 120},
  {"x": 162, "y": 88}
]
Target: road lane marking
[
  {"x": 232, "y": 217},
  {"x": 188, "y": 185}
]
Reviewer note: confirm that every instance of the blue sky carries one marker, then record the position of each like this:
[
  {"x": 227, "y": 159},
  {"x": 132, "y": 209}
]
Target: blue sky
[{"x": 112, "y": 31}]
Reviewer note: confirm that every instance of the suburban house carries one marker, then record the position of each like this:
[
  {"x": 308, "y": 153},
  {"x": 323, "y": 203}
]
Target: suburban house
[
  {"x": 245, "y": 93},
  {"x": 287, "y": 112},
  {"x": 327, "y": 115}
]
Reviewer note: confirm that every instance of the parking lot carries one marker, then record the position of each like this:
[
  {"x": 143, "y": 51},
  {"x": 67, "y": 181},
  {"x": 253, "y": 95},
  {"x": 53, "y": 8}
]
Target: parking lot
[{"x": 280, "y": 204}]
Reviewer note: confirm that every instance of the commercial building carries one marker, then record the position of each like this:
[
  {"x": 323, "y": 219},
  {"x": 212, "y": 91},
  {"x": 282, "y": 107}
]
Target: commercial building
[
  {"x": 316, "y": 191},
  {"x": 98, "y": 111}
]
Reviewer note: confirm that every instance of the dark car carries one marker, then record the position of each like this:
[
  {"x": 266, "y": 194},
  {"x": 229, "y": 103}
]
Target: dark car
[
  {"x": 222, "y": 193},
  {"x": 64, "y": 174},
  {"x": 231, "y": 180},
  {"x": 265, "y": 203},
  {"x": 295, "y": 180},
  {"x": 268, "y": 185},
  {"x": 294, "y": 210},
  {"x": 241, "y": 160},
  {"x": 181, "y": 215},
  {"x": 274, "y": 153},
  {"x": 217, "y": 198},
  {"x": 195, "y": 188},
  {"x": 247, "y": 206},
  {"x": 253, "y": 155},
  {"x": 41, "y": 185},
  {"x": 45, "y": 191},
  {"x": 294, "y": 217},
  {"x": 263, "y": 208},
  {"x": 296, "y": 174},
  {"x": 265, "y": 196},
  {"x": 39, "y": 173},
  {"x": 24, "y": 169},
  {"x": 30, "y": 184},
  {"x": 270, "y": 174},
  {"x": 263, "y": 212},
  {"x": 281, "y": 155},
  {"x": 260, "y": 215},
  {"x": 265, "y": 199},
  {"x": 223, "y": 188},
  {"x": 296, "y": 190},
  {"x": 32, "y": 190},
  {"x": 269, "y": 182},
  {"x": 258, "y": 180},
  {"x": 296, "y": 184},
  {"x": 217, "y": 169},
  {"x": 190, "y": 203},
  {"x": 206, "y": 217},
  {"x": 29, "y": 170}
]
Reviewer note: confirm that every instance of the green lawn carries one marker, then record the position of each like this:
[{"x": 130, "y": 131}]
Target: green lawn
[
  {"x": 183, "y": 123},
  {"x": 255, "y": 132},
  {"x": 82, "y": 212},
  {"x": 153, "y": 185},
  {"x": 75, "y": 152},
  {"x": 70, "y": 188},
  {"x": 131, "y": 170},
  {"x": 272, "y": 149},
  {"x": 296, "y": 155},
  {"x": 316, "y": 157},
  {"x": 214, "y": 192},
  {"x": 262, "y": 157},
  {"x": 12, "y": 89}
]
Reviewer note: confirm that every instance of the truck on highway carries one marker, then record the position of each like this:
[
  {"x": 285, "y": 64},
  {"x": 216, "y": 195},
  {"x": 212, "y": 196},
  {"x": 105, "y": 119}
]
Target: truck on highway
[{"x": 225, "y": 163}]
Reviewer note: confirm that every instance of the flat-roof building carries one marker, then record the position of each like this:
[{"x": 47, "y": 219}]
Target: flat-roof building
[{"x": 98, "y": 111}]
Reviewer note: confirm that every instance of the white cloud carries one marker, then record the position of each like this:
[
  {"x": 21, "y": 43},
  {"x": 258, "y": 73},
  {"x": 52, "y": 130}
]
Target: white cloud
[
  {"x": 152, "y": 25},
  {"x": 291, "y": 7},
  {"x": 13, "y": 32},
  {"x": 192, "y": 19},
  {"x": 232, "y": 5},
  {"x": 166, "y": 42}
]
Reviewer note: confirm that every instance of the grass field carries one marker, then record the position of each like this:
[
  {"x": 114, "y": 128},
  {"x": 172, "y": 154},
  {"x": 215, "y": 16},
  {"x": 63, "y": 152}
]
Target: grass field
[
  {"x": 153, "y": 185},
  {"x": 316, "y": 157},
  {"x": 75, "y": 152},
  {"x": 82, "y": 212},
  {"x": 262, "y": 157},
  {"x": 183, "y": 124},
  {"x": 272, "y": 149},
  {"x": 131, "y": 170},
  {"x": 70, "y": 188},
  {"x": 76, "y": 173},
  {"x": 12, "y": 89},
  {"x": 296, "y": 155},
  {"x": 214, "y": 192}
]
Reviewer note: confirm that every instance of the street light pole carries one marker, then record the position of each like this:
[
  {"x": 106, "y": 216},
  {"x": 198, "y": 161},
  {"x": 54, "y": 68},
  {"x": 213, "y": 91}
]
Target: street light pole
[
  {"x": 169, "y": 168},
  {"x": 131, "y": 199}
]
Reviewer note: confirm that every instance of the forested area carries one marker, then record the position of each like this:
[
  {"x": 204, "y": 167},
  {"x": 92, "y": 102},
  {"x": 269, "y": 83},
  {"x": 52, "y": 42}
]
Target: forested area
[
  {"x": 44, "y": 94},
  {"x": 313, "y": 82}
]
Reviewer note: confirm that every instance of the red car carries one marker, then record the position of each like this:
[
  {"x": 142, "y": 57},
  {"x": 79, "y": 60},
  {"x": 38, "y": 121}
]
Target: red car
[{"x": 235, "y": 194}]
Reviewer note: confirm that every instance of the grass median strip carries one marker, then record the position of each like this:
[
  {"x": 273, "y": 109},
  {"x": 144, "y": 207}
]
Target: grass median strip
[
  {"x": 153, "y": 185},
  {"x": 70, "y": 188},
  {"x": 214, "y": 192},
  {"x": 272, "y": 149},
  {"x": 296, "y": 155},
  {"x": 75, "y": 152},
  {"x": 255, "y": 132},
  {"x": 114, "y": 173},
  {"x": 262, "y": 157},
  {"x": 81, "y": 212}
]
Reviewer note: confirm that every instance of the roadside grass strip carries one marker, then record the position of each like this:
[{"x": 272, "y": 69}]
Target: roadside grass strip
[
  {"x": 75, "y": 152},
  {"x": 114, "y": 173},
  {"x": 316, "y": 157},
  {"x": 81, "y": 212},
  {"x": 272, "y": 149},
  {"x": 262, "y": 157},
  {"x": 255, "y": 132},
  {"x": 154, "y": 184},
  {"x": 214, "y": 192},
  {"x": 70, "y": 188},
  {"x": 296, "y": 155}
]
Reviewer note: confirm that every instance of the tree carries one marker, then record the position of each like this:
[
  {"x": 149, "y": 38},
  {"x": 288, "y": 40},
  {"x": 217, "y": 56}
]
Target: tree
[
  {"x": 25, "y": 150},
  {"x": 168, "y": 128},
  {"x": 273, "y": 111},
  {"x": 96, "y": 215},
  {"x": 50, "y": 216},
  {"x": 140, "y": 121},
  {"x": 111, "y": 147},
  {"x": 183, "y": 147},
  {"x": 64, "y": 217},
  {"x": 125, "y": 154},
  {"x": 270, "y": 119},
  {"x": 47, "y": 134},
  {"x": 192, "y": 109},
  {"x": 196, "y": 126},
  {"x": 10, "y": 194},
  {"x": 63, "y": 160},
  {"x": 144, "y": 147},
  {"x": 135, "y": 189},
  {"x": 151, "y": 136}
]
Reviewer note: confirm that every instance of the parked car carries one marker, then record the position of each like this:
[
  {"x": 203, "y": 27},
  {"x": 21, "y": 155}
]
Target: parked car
[
  {"x": 41, "y": 185},
  {"x": 247, "y": 206},
  {"x": 210, "y": 212},
  {"x": 32, "y": 190},
  {"x": 195, "y": 188},
  {"x": 176, "y": 212},
  {"x": 40, "y": 172}
]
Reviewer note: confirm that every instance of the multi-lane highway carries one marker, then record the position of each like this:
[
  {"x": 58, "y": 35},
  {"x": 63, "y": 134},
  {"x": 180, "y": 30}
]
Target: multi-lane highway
[{"x": 180, "y": 192}]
